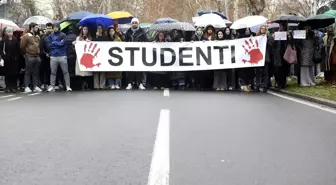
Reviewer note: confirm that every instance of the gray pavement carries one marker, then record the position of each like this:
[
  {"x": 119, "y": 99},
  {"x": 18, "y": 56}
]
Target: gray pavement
[{"x": 107, "y": 137}]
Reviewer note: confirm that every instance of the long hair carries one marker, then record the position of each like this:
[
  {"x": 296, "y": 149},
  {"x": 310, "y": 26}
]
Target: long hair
[
  {"x": 225, "y": 36},
  {"x": 112, "y": 37},
  {"x": 81, "y": 34},
  {"x": 158, "y": 35},
  {"x": 259, "y": 31}
]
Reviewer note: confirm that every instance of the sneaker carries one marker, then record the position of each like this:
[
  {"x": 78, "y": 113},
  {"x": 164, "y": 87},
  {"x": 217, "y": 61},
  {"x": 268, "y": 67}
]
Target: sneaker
[
  {"x": 117, "y": 86},
  {"x": 27, "y": 90},
  {"x": 162, "y": 88},
  {"x": 141, "y": 87},
  {"x": 113, "y": 87},
  {"x": 129, "y": 87},
  {"x": 155, "y": 88},
  {"x": 51, "y": 89},
  {"x": 68, "y": 89},
  {"x": 37, "y": 89}
]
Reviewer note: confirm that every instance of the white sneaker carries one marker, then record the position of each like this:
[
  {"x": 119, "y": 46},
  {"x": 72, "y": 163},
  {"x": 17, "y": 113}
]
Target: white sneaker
[
  {"x": 113, "y": 87},
  {"x": 117, "y": 86},
  {"x": 129, "y": 87},
  {"x": 37, "y": 89},
  {"x": 68, "y": 89},
  {"x": 162, "y": 88},
  {"x": 56, "y": 88},
  {"x": 51, "y": 89},
  {"x": 27, "y": 90},
  {"x": 141, "y": 87}
]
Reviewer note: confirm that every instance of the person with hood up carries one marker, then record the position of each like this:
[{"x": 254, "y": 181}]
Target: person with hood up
[
  {"x": 210, "y": 33},
  {"x": 221, "y": 75},
  {"x": 113, "y": 78},
  {"x": 58, "y": 57},
  {"x": 30, "y": 46},
  {"x": 9, "y": 48},
  {"x": 135, "y": 34}
]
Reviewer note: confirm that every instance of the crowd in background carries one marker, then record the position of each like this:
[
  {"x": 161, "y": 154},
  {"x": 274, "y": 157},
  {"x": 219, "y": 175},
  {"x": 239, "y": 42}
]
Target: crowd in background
[{"x": 46, "y": 60}]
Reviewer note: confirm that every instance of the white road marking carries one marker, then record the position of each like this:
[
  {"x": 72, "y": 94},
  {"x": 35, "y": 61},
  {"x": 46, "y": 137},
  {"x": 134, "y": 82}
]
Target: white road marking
[
  {"x": 166, "y": 92},
  {"x": 6, "y": 96},
  {"x": 34, "y": 94},
  {"x": 160, "y": 166},
  {"x": 12, "y": 99},
  {"x": 305, "y": 103}
]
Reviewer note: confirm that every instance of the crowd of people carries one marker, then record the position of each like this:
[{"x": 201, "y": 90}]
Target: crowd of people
[{"x": 46, "y": 60}]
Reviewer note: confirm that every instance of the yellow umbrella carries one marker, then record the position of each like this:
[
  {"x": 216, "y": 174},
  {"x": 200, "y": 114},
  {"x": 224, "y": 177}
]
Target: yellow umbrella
[{"x": 121, "y": 17}]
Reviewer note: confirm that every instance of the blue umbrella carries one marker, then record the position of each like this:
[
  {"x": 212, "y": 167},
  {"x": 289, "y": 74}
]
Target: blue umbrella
[
  {"x": 165, "y": 20},
  {"x": 79, "y": 15},
  {"x": 97, "y": 19},
  {"x": 211, "y": 11}
]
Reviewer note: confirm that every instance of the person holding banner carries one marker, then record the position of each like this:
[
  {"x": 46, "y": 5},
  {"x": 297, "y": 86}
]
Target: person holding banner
[
  {"x": 99, "y": 79},
  {"x": 246, "y": 74},
  {"x": 135, "y": 34},
  {"x": 220, "y": 76}
]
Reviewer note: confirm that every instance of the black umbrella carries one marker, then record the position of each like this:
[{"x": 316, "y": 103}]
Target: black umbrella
[
  {"x": 320, "y": 21},
  {"x": 289, "y": 19}
]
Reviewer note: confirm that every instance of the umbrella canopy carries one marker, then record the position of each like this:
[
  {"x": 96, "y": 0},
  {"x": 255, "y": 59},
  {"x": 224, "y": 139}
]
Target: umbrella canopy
[
  {"x": 183, "y": 26},
  {"x": 7, "y": 23},
  {"x": 65, "y": 24},
  {"x": 146, "y": 25},
  {"x": 78, "y": 15},
  {"x": 210, "y": 19},
  {"x": 121, "y": 17},
  {"x": 202, "y": 12},
  {"x": 290, "y": 19},
  {"x": 165, "y": 20},
  {"x": 248, "y": 22},
  {"x": 97, "y": 19},
  {"x": 331, "y": 13},
  {"x": 276, "y": 25},
  {"x": 40, "y": 20},
  {"x": 320, "y": 21}
]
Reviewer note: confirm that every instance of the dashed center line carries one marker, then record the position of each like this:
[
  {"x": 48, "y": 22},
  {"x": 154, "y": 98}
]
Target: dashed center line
[{"x": 12, "y": 99}]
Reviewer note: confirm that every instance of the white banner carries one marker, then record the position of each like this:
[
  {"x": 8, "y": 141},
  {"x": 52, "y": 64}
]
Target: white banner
[{"x": 171, "y": 56}]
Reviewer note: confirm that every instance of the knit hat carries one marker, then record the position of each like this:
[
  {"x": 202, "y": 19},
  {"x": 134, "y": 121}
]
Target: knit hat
[{"x": 135, "y": 20}]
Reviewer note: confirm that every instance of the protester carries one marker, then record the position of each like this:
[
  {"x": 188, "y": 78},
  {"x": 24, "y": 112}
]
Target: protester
[
  {"x": 86, "y": 76},
  {"x": 30, "y": 46},
  {"x": 281, "y": 67},
  {"x": 328, "y": 65},
  {"x": 45, "y": 57},
  {"x": 9, "y": 48},
  {"x": 71, "y": 52},
  {"x": 58, "y": 57},
  {"x": 246, "y": 74},
  {"x": 113, "y": 78},
  {"x": 210, "y": 33},
  {"x": 135, "y": 34},
  {"x": 220, "y": 75},
  {"x": 306, "y": 52},
  {"x": 99, "y": 79}
]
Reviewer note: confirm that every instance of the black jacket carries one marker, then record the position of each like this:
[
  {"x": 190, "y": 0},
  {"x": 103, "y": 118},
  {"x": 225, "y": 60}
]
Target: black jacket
[
  {"x": 138, "y": 36},
  {"x": 44, "y": 43}
]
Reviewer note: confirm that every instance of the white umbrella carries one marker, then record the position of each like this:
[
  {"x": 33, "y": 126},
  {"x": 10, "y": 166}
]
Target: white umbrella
[
  {"x": 40, "y": 20},
  {"x": 248, "y": 22},
  {"x": 210, "y": 19}
]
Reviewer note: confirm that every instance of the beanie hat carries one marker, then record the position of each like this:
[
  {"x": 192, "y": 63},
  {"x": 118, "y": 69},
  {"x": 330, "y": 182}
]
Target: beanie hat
[{"x": 135, "y": 20}]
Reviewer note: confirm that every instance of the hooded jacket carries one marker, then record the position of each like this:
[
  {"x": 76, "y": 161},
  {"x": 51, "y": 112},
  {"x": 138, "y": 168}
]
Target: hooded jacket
[{"x": 57, "y": 44}]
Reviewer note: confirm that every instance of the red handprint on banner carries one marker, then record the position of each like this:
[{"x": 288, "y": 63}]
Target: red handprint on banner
[
  {"x": 89, "y": 55},
  {"x": 253, "y": 51}
]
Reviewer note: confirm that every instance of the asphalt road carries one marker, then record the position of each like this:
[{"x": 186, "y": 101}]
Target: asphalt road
[{"x": 107, "y": 138}]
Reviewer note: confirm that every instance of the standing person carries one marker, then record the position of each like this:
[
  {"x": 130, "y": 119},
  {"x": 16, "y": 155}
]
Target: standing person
[
  {"x": 327, "y": 65},
  {"x": 9, "y": 52},
  {"x": 86, "y": 76},
  {"x": 71, "y": 53},
  {"x": 262, "y": 73},
  {"x": 246, "y": 74},
  {"x": 135, "y": 34},
  {"x": 177, "y": 77},
  {"x": 30, "y": 46},
  {"x": 195, "y": 76},
  {"x": 99, "y": 79},
  {"x": 220, "y": 76},
  {"x": 113, "y": 78},
  {"x": 45, "y": 57},
  {"x": 307, "y": 46},
  {"x": 210, "y": 33},
  {"x": 58, "y": 57}
]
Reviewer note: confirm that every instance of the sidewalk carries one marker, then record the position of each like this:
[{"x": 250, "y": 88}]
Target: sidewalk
[{"x": 318, "y": 100}]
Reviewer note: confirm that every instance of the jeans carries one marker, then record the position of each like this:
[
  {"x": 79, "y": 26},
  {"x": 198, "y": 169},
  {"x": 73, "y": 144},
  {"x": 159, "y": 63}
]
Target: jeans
[
  {"x": 32, "y": 70},
  {"x": 114, "y": 81},
  {"x": 54, "y": 63}
]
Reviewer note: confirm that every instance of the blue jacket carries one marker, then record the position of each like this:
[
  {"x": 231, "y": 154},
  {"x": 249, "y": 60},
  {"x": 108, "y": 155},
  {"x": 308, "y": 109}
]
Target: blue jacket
[{"x": 57, "y": 44}]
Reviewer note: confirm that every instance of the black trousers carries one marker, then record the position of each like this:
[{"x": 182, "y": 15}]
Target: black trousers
[
  {"x": 11, "y": 81},
  {"x": 134, "y": 77},
  {"x": 45, "y": 71},
  {"x": 280, "y": 75},
  {"x": 262, "y": 76},
  {"x": 158, "y": 80}
]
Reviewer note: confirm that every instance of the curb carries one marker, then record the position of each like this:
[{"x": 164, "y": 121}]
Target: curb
[{"x": 325, "y": 102}]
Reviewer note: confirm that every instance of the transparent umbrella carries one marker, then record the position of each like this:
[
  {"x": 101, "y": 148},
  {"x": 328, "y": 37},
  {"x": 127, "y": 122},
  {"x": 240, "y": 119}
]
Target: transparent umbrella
[
  {"x": 183, "y": 26},
  {"x": 40, "y": 20}
]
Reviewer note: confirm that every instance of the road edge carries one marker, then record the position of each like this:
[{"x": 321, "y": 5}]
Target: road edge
[{"x": 321, "y": 101}]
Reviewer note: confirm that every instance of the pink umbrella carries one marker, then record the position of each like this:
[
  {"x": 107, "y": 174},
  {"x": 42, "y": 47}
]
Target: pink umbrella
[{"x": 7, "y": 23}]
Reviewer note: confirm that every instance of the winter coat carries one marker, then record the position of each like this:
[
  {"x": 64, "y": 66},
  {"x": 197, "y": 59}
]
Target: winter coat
[
  {"x": 57, "y": 44},
  {"x": 137, "y": 36},
  {"x": 328, "y": 48},
  {"x": 44, "y": 46},
  {"x": 196, "y": 38},
  {"x": 30, "y": 44},
  {"x": 306, "y": 52},
  {"x": 113, "y": 74},
  {"x": 77, "y": 70},
  {"x": 71, "y": 53},
  {"x": 9, "y": 51}
]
